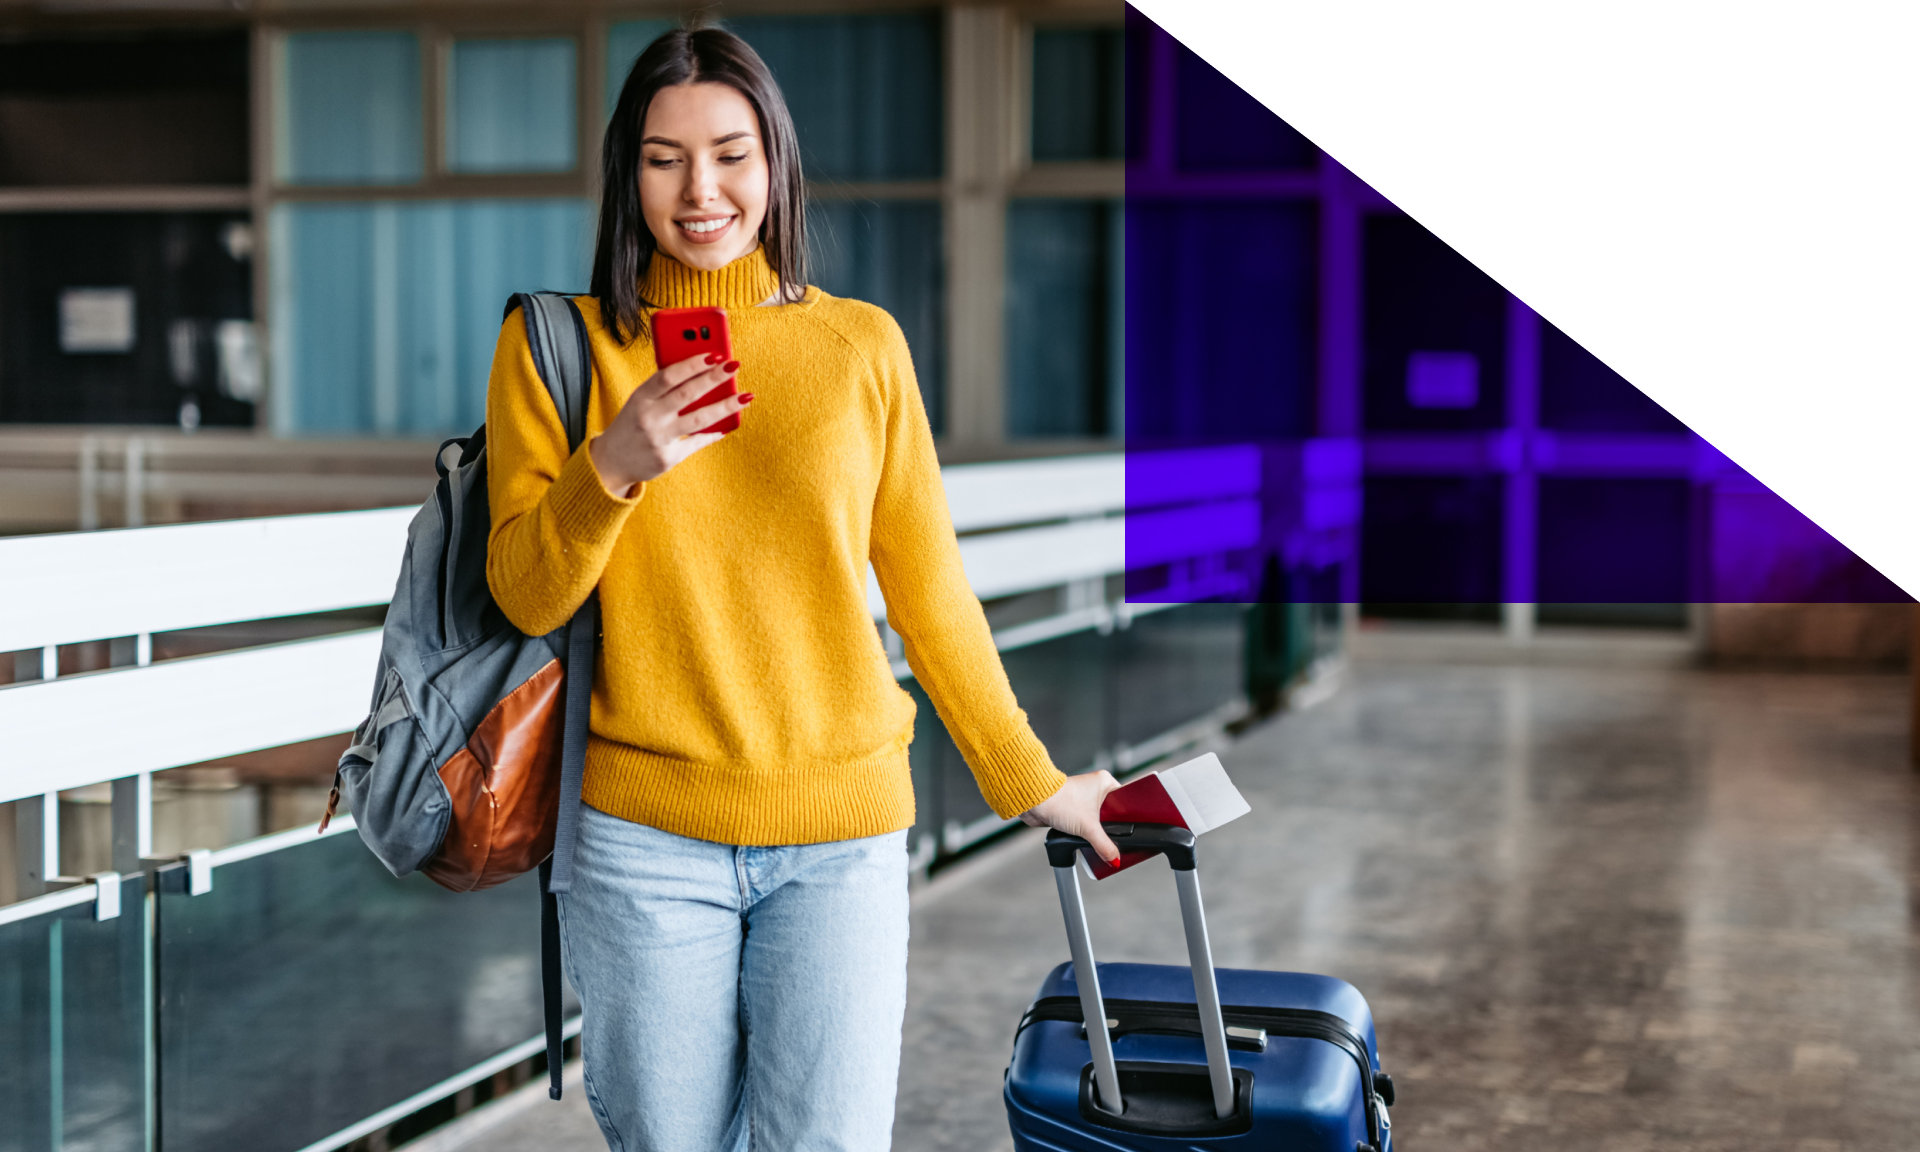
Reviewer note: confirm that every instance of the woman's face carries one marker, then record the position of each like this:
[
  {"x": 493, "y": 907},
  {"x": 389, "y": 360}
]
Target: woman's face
[{"x": 703, "y": 174}]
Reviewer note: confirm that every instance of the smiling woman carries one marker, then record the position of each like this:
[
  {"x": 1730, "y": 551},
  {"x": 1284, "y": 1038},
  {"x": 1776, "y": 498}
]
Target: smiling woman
[{"x": 737, "y": 923}]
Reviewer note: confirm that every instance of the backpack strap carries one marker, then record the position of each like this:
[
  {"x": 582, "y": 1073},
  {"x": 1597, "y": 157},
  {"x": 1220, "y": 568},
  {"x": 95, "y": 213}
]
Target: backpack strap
[{"x": 557, "y": 337}]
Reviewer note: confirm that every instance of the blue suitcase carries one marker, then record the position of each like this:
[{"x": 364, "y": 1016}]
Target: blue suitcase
[{"x": 1199, "y": 1059}]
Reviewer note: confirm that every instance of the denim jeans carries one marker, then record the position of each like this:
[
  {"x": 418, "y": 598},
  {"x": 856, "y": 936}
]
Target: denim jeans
[{"x": 737, "y": 998}]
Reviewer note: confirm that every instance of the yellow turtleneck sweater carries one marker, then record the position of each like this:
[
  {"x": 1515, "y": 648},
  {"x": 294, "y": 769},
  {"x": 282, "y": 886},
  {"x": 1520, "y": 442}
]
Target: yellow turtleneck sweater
[{"x": 742, "y": 694}]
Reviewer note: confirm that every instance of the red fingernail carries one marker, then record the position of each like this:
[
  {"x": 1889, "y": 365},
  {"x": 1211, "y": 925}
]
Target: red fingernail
[
  {"x": 733, "y": 366},
  {"x": 713, "y": 357},
  {"x": 746, "y": 397}
]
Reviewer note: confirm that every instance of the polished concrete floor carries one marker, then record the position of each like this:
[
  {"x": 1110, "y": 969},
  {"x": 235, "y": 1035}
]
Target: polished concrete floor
[{"x": 1594, "y": 909}]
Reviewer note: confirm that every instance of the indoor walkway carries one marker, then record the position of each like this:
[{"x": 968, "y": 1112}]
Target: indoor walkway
[{"x": 1617, "y": 910}]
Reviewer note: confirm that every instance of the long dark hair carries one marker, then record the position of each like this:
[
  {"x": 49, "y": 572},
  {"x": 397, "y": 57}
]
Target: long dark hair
[{"x": 625, "y": 245}]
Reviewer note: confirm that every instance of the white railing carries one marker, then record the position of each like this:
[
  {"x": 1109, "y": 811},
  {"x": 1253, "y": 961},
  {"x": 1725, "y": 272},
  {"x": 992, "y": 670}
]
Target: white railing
[{"x": 1025, "y": 526}]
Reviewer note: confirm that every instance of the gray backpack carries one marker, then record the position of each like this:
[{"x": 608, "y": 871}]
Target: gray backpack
[{"x": 469, "y": 763}]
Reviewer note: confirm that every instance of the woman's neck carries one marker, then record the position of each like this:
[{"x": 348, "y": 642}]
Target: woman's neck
[{"x": 744, "y": 283}]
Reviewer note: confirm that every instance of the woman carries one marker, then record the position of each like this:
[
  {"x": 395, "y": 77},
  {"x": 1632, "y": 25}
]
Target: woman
[{"x": 737, "y": 928}]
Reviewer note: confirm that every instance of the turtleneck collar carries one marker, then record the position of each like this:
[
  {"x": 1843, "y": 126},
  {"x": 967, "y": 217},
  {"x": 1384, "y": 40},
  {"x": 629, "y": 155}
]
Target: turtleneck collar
[{"x": 746, "y": 282}]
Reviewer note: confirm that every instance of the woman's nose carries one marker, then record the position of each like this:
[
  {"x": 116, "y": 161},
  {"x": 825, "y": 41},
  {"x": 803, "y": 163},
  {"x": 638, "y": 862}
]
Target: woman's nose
[{"x": 701, "y": 185}]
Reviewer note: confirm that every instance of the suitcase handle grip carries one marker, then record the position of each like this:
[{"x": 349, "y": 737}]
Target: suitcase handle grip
[{"x": 1170, "y": 840}]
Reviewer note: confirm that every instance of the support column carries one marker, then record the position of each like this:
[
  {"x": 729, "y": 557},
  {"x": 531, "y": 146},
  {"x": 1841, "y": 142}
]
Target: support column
[
  {"x": 981, "y": 46},
  {"x": 1338, "y": 405},
  {"x": 1521, "y": 528},
  {"x": 132, "y": 821},
  {"x": 36, "y": 837}
]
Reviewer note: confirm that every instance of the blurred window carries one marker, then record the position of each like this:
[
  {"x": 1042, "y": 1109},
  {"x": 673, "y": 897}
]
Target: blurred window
[
  {"x": 1427, "y": 307},
  {"x": 350, "y": 108},
  {"x": 889, "y": 253},
  {"x": 386, "y": 313},
  {"x": 160, "y": 108},
  {"x": 1066, "y": 349},
  {"x": 1203, "y": 305},
  {"x": 511, "y": 106},
  {"x": 1079, "y": 94},
  {"x": 625, "y": 41},
  {"x": 1579, "y": 393},
  {"x": 1219, "y": 128},
  {"x": 865, "y": 91}
]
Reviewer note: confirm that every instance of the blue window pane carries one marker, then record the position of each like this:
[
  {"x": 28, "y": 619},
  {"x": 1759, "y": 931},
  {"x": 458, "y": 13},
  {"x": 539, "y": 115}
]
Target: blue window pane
[
  {"x": 625, "y": 41},
  {"x": 889, "y": 254},
  {"x": 1079, "y": 93},
  {"x": 1578, "y": 393},
  {"x": 1222, "y": 129},
  {"x": 510, "y": 106},
  {"x": 1424, "y": 300},
  {"x": 385, "y": 315},
  {"x": 1065, "y": 318},
  {"x": 864, "y": 90},
  {"x": 1199, "y": 304},
  {"x": 351, "y": 108}
]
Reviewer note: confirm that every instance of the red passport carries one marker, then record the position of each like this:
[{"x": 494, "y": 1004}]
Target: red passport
[{"x": 1196, "y": 796}]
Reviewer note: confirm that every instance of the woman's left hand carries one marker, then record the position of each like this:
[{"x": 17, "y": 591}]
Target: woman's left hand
[{"x": 1075, "y": 810}]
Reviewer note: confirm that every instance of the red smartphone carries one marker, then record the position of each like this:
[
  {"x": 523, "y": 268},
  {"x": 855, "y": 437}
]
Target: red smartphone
[{"x": 680, "y": 333}]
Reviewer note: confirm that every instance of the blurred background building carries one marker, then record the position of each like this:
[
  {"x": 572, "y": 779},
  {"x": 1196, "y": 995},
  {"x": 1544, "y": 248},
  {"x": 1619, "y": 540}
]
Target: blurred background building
[{"x": 252, "y": 258}]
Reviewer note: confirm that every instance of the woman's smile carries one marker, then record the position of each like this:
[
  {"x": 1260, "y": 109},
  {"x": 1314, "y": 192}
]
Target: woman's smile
[{"x": 706, "y": 229}]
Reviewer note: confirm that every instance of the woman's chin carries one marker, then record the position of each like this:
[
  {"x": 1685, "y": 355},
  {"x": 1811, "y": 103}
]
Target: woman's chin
[{"x": 708, "y": 257}]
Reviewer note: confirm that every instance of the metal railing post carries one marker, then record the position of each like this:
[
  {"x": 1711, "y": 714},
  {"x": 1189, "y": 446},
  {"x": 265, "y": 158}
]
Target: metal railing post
[
  {"x": 132, "y": 821},
  {"x": 37, "y": 840}
]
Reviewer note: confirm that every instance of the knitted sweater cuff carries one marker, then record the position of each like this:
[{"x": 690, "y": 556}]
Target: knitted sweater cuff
[
  {"x": 582, "y": 506},
  {"x": 1016, "y": 774}
]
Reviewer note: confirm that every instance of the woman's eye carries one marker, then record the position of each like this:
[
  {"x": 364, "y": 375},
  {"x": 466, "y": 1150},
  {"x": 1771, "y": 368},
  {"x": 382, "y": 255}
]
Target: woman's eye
[
  {"x": 735, "y": 159},
  {"x": 660, "y": 161}
]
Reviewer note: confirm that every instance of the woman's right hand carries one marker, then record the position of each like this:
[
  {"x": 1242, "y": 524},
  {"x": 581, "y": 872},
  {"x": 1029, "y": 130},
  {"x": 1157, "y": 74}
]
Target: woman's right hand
[{"x": 650, "y": 436}]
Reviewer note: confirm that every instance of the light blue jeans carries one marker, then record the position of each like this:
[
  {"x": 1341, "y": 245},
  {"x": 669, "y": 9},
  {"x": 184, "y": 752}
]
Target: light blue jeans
[{"x": 737, "y": 998}]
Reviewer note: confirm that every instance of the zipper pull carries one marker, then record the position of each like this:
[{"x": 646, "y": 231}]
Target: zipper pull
[{"x": 333, "y": 802}]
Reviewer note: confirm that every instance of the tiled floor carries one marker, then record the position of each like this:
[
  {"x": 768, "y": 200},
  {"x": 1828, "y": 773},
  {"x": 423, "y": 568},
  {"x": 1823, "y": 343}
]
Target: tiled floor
[{"x": 1612, "y": 910}]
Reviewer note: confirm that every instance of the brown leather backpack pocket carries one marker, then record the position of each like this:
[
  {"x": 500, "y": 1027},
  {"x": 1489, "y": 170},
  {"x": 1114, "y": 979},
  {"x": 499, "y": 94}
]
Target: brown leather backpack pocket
[{"x": 505, "y": 788}]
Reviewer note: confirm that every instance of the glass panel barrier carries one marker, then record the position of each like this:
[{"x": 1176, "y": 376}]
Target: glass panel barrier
[
  {"x": 310, "y": 989},
  {"x": 1173, "y": 667},
  {"x": 73, "y": 1021}
]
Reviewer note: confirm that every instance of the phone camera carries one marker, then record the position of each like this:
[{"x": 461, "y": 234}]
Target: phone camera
[
  {"x": 705, "y": 335},
  {"x": 687, "y": 335}
]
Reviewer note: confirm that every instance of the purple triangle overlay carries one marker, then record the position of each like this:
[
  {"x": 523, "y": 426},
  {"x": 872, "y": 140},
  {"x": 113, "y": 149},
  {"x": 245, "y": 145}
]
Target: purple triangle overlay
[{"x": 1326, "y": 403}]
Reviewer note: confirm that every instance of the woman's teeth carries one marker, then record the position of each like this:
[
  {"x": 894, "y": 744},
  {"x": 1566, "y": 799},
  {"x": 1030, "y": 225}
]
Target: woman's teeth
[{"x": 706, "y": 225}]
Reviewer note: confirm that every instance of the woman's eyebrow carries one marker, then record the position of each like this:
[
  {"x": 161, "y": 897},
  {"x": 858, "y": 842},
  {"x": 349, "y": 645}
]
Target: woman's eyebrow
[{"x": 718, "y": 140}]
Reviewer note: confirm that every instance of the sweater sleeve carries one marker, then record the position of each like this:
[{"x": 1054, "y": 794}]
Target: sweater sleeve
[
  {"x": 554, "y": 522},
  {"x": 933, "y": 608}
]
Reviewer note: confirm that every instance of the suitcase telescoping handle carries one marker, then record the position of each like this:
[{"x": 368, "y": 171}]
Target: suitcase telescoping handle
[{"x": 1176, "y": 844}]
